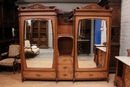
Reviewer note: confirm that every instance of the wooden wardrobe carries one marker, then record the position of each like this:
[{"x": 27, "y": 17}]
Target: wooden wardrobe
[
  {"x": 40, "y": 33},
  {"x": 67, "y": 62}
]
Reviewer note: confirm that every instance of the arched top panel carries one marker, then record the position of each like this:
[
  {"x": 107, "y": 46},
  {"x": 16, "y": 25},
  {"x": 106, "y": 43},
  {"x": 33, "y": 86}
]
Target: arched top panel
[
  {"x": 38, "y": 9},
  {"x": 37, "y": 6},
  {"x": 92, "y": 10},
  {"x": 94, "y": 7}
]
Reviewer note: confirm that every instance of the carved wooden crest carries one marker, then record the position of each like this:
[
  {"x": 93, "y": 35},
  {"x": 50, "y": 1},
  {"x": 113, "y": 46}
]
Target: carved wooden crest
[
  {"x": 37, "y": 6},
  {"x": 93, "y": 6}
]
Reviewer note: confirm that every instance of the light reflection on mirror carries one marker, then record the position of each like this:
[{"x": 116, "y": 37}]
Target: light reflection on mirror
[
  {"x": 38, "y": 45},
  {"x": 91, "y": 33}
]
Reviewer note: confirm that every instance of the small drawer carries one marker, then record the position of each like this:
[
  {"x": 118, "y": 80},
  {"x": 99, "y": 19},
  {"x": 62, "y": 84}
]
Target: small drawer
[
  {"x": 65, "y": 68},
  {"x": 65, "y": 75},
  {"x": 65, "y": 60},
  {"x": 102, "y": 62}
]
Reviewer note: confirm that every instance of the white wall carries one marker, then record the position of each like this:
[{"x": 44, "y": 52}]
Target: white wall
[{"x": 125, "y": 27}]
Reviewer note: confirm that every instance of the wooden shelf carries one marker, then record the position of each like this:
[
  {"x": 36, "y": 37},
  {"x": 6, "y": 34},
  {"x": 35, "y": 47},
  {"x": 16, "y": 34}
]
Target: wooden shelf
[{"x": 65, "y": 35}]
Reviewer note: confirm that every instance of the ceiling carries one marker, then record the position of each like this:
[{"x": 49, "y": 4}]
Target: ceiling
[{"x": 58, "y": 1}]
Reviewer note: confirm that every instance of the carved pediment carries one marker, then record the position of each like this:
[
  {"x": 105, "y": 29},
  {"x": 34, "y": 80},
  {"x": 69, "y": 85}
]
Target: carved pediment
[
  {"x": 93, "y": 6},
  {"x": 37, "y": 6}
]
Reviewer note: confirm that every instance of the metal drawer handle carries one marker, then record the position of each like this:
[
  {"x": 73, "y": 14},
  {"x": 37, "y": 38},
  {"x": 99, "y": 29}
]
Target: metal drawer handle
[
  {"x": 64, "y": 60},
  {"x": 90, "y": 74},
  {"x": 38, "y": 75},
  {"x": 65, "y": 67},
  {"x": 65, "y": 75}
]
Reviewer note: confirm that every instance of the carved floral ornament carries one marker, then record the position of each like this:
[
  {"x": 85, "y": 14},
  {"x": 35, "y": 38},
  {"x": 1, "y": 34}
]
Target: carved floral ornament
[
  {"x": 87, "y": 7},
  {"x": 37, "y": 6},
  {"x": 94, "y": 7}
]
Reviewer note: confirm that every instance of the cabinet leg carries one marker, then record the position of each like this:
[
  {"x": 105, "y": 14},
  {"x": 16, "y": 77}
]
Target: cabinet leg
[
  {"x": 107, "y": 80},
  {"x": 73, "y": 80},
  {"x": 115, "y": 84},
  {"x": 56, "y": 80},
  {"x": 22, "y": 79}
]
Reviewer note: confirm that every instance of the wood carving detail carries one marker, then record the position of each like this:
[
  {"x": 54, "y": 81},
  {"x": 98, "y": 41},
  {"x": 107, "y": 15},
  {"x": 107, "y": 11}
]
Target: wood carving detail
[
  {"x": 37, "y": 6},
  {"x": 127, "y": 77},
  {"x": 93, "y": 6}
]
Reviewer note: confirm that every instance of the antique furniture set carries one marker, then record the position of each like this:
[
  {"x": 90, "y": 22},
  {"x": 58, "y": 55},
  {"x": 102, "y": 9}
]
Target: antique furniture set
[{"x": 66, "y": 42}]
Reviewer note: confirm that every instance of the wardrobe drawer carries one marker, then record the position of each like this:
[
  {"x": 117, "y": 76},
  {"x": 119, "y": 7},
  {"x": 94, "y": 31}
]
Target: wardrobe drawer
[
  {"x": 39, "y": 75},
  {"x": 65, "y": 60},
  {"x": 65, "y": 75},
  {"x": 65, "y": 68},
  {"x": 91, "y": 75},
  {"x": 101, "y": 62}
]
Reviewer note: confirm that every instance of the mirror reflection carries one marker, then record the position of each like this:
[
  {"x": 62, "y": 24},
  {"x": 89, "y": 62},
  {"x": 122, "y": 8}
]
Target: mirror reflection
[
  {"x": 91, "y": 35},
  {"x": 38, "y": 44}
]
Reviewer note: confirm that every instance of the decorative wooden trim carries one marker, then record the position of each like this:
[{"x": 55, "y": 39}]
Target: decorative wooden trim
[
  {"x": 37, "y": 6},
  {"x": 92, "y": 6}
]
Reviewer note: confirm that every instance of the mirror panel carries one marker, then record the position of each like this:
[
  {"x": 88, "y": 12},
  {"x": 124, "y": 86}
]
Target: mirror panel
[
  {"x": 91, "y": 34},
  {"x": 38, "y": 43}
]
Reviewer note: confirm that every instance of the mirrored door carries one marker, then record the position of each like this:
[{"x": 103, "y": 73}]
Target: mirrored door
[
  {"x": 38, "y": 43},
  {"x": 91, "y": 34}
]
